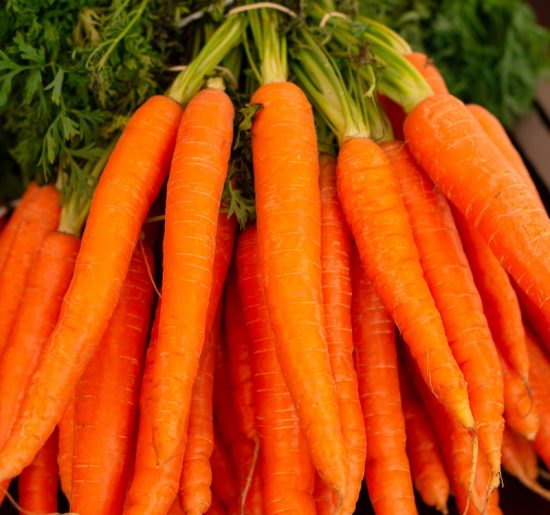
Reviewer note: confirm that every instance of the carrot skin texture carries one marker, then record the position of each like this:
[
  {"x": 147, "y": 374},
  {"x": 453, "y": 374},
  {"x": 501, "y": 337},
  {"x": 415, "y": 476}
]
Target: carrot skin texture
[
  {"x": 195, "y": 495},
  {"x": 239, "y": 359},
  {"x": 129, "y": 183},
  {"x": 500, "y": 302},
  {"x": 520, "y": 412},
  {"x": 216, "y": 508},
  {"x": 65, "y": 430},
  {"x": 427, "y": 467},
  {"x": 195, "y": 184},
  {"x": 387, "y": 474},
  {"x": 38, "y": 482},
  {"x": 451, "y": 283},
  {"x": 497, "y": 134},
  {"x": 106, "y": 398},
  {"x": 450, "y": 145},
  {"x": 286, "y": 469},
  {"x": 336, "y": 282},
  {"x": 540, "y": 391},
  {"x": 518, "y": 456},
  {"x": 378, "y": 220},
  {"x": 154, "y": 485},
  {"x": 11, "y": 226},
  {"x": 49, "y": 278},
  {"x": 224, "y": 484},
  {"x": 286, "y": 175},
  {"x": 40, "y": 218}
]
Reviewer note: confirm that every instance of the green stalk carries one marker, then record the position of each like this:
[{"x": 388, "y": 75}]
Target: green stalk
[
  {"x": 271, "y": 47},
  {"x": 322, "y": 80},
  {"x": 371, "y": 43},
  {"x": 189, "y": 81},
  {"x": 75, "y": 210}
]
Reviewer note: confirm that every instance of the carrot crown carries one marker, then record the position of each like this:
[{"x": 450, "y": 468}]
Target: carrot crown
[
  {"x": 270, "y": 44},
  {"x": 189, "y": 81},
  {"x": 374, "y": 47},
  {"x": 337, "y": 100}
]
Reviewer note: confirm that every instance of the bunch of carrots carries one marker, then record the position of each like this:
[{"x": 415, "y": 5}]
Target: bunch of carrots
[{"x": 382, "y": 314}]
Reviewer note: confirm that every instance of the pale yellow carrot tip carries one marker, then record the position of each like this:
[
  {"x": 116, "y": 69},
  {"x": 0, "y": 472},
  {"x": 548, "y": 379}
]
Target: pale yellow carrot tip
[
  {"x": 250, "y": 476},
  {"x": 20, "y": 509}
]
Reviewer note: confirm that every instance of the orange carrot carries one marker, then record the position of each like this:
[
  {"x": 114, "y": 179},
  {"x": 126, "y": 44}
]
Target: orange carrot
[
  {"x": 196, "y": 474},
  {"x": 453, "y": 149},
  {"x": 540, "y": 391},
  {"x": 520, "y": 412},
  {"x": 500, "y": 302},
  {"x": 388, "y": 475},
  {"x": 455, "y": 444},
  {"x": 148, "y": 475},
  {"x": 48, "y": 280},
  {"x": 224, "y": 484},
  {"x": 451, "y": 283},
  {"x": 239, "y": 359},
  {"x": 40, "y": 218},
  {"x": 11, "y": 227},
  {"x": 286, "y": 468},
  {"x": 65, "y": 430},
  {"x": 194, "y": 493},
  {"x": 428, "y": 70},
  {"x": 154, "y": 484},
  {"x": 497, "y": 134},
  {"x": 197, "y": 174},
  {"x": 427, "y": 468},
  {"x": 106, "y": 397},
  {"x": 286, "y": 172},
  {"x": 395, "y": 113},
  {"x": 520, "y": 460},
  {"x": 131, "y": 180},
  {"x": 38, "y": 482},
  {"x": 336, "y": 282}
]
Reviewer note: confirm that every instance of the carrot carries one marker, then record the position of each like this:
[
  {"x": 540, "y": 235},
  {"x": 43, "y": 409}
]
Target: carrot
[
  {"x": 106, "y": 397},
  {"x": 49, "y": 278},
  {"x": 336, "y": 283},
  {"x": 65, "y": 430},
  {"x": 197, "y": 175},
  {"x": 194, "y": 493},
  {"x": 38, "y": 482},
  {"x": 175, "y": 509},
  {"x": 40, "y": 217},
  {"x": 196, "y": 475},
  {"x": 519, "y": 460},
  {"x": 11, "y": 227},
  {"x": 427, "y": 468},
  {"x": 455, "y": 443},
  {"x": 520, "y": 412},
  {"x": 154, "y": 484},
  {"x": 500, "y": 302},
  {"x": 370, "y": 198},
  {"x": 428, "y": 70},
  {"x": 148, "y": 475},
  {"x": 128, "y": 185},
  {"x": 431, "y": 74},
  {"x": 537, "y": 320},
  {"x": 451, "y": 283},
  {"x": 239, "y": 359},
  {"x": 288, "y": 216},
  {"x": 286, "y": 171},
  {"x": 452, "y": 148},
  {"x": 224, "y": 484},
  {"x": 388, "y": 475},
  {"x": 540, "y": 391},
  {"x": 497, "y": 134},
  {"x": 286, "y": 468}
]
